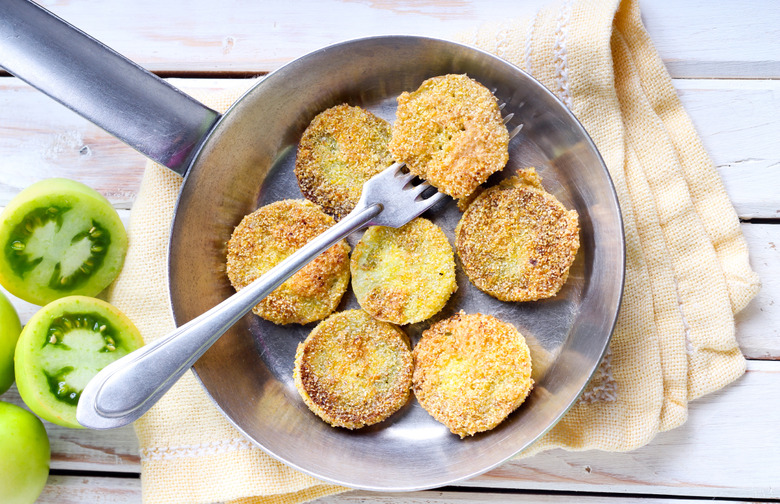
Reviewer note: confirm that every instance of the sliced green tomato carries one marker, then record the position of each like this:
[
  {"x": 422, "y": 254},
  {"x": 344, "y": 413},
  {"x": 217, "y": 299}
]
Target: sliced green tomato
[
  {"x": 62, "y": 347},
  {"x": 10, "y": 328},
  {"x": 59, "y": 238}
]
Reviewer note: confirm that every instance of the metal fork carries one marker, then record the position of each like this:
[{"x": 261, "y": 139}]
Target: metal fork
[{"x": 125, "y": 389}]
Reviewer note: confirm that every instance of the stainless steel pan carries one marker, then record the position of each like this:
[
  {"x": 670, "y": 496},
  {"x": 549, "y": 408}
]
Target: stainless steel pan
[{"x": 233, "y": 163}]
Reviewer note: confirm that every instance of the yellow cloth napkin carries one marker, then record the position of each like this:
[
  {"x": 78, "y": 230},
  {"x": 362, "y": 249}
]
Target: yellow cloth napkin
[{"x": 687, "y": 266}]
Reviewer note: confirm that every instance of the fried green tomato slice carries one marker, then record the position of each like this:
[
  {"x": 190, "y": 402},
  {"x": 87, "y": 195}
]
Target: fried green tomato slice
[
  {"x": 353, "y": 370},
  {"x": 269, "y": 235},
  {"x": 403, "y": 275},
  {"x": 342, "y": 148},
  {"x": 450, "y": 133},
  {"x": 516, "y": 241},
  {"x": 63, "y": 346},
  {"x": 471, "y": 371},
  {"x": 59, "y": 238}
]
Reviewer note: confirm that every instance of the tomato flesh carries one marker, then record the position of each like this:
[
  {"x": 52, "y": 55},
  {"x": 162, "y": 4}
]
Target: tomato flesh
[
  {"x": 63, "y": 346},
  {"x": 59, "y": 237}
]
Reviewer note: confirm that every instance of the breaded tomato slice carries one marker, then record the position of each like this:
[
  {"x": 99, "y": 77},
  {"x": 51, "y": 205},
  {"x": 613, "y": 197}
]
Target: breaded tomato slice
[
  {"x": 516, "y": 241},
  {"x": 450, "y": 133},
  {"x": 353, "y": 370},
  {"x": 340, "y": 150},
  {"x": 403, "y": 275},
  {"x": 266, "y": 237},
  {"x": 471, "y": 372}
]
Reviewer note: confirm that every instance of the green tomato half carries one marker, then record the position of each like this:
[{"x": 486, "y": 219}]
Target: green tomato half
[
  {"x": 59, "y": 237},
  {"x": 63, "y": 346},
  {"x": 24, "y": 455},
  {"x": 10, "y": 327}
]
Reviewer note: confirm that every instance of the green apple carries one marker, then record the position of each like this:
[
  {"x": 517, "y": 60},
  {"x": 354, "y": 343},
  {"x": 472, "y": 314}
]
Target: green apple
[{"x": 24, "y": 455}]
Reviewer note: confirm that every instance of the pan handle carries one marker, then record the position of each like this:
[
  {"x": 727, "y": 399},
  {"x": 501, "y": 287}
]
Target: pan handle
[{"x": 101, "y": 85}]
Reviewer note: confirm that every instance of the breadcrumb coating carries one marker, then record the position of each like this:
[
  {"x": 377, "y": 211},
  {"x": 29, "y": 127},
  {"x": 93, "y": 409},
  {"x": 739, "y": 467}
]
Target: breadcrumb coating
[
  {"x": 266, "y": 237},
  {"x": 516, "y": 241},
  {"x": 353, "y": 371},
  {"x": 403, "y": 275},
  {"x": 341, "y": 149},
  {"x": 471, "y": 371},
  {"x": 450, "y": 133}
]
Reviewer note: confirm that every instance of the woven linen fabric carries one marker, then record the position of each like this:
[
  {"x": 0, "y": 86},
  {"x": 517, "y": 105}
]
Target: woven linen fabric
[{"x": 687, "y": 268}]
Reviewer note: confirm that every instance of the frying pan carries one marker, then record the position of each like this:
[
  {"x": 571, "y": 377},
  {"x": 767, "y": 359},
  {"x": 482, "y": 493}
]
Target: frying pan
[{"x": 235, "y": 162}]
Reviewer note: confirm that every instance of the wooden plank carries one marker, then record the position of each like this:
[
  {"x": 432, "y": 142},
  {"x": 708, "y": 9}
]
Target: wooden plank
[
  {"x": 736, "y": 119},
  {"x": 114, "y": 450},
  {"x": 706, "y": 39},
  {"x": 39, "y": 138},
  {"x": 729, "y": 447},
  {"x": 90, "y": 489},
  {"x": 758, "y": 325},
  {"x": 696, "y": 38},
  {"x": 739, "y": 125}
]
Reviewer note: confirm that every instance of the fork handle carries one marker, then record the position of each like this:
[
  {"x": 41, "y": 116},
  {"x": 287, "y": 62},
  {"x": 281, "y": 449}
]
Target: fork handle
[{"x": 125, "y": 389}]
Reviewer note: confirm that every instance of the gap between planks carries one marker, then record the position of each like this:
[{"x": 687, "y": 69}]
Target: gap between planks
[{"x": 78, "y": 489}]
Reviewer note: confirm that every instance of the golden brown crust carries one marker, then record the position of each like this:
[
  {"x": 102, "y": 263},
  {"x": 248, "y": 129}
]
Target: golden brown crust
[
  {"x": 403, "y": 275},
  {"x": 516, "y": 241},
  {"x": 267, "y": 236},
  {"x": 353, "y": 370},
  {"x": 341, "y": 149},
  {"x": 450, "y": 132},
  {"x": 471, "y": 372}
]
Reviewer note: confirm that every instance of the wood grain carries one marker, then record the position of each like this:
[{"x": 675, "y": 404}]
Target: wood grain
[
  {"x": 464, "y": 497},
  {"x": 696, "y": 38},
  {"x": 758, "y": 325},
  {"x": 737, "y": 120},
  {"x": 39, "y": 138},
  {"x": 729, "y": 447},
  {"x": 113, "y": 450},
  {"x": 90, "y": 489},
  {"x": 739, "y": 124},
  {"x": 706, "y": 457}
]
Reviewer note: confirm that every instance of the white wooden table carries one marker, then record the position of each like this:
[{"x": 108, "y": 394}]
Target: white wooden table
[{"x": 725, "y": 60}]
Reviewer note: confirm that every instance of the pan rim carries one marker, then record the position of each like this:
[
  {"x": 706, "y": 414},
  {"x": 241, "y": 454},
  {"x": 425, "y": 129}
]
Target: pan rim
[{"x": 610, "y": 323}]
